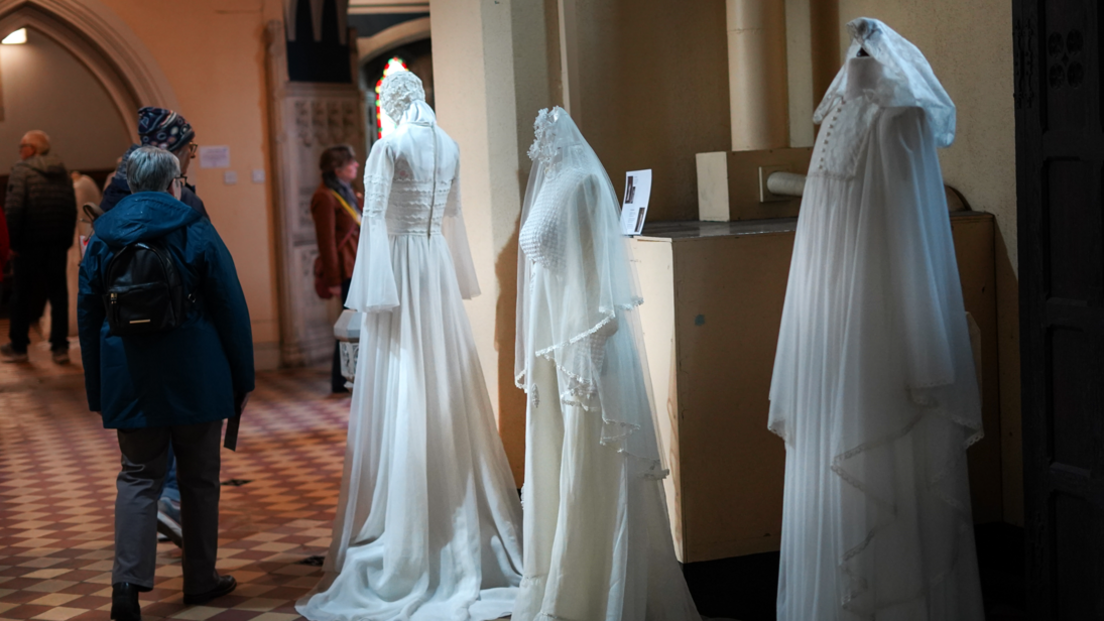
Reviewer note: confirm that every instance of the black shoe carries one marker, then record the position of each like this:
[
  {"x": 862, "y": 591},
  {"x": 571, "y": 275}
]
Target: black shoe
[
  {"x": 61, "y": 356},
  {"x": 9, "y": 354},
  {"x": 124, "y": 602},
  {"x": 225, "y": 585}
]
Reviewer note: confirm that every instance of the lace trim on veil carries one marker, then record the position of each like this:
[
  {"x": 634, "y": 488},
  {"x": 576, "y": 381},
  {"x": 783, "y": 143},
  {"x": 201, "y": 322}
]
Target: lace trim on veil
[
  {"x": 543, "y": 148},
  {"x": 858, "y": 585},
  {"x": 581, "y": 393},
  {"x": 545, "y": 143}
]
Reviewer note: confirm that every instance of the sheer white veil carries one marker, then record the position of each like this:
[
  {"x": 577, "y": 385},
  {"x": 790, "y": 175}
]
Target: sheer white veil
[
  {"x": 889, "y": 401},
  {"x": 908, "y": 79},
  {"x": 586, "y": 323}
]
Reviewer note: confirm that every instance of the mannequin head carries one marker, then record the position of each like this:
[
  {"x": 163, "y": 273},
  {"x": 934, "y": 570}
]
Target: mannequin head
[
  {"x": 398, "y": 91},
  {"x": 863, "y": 74}
]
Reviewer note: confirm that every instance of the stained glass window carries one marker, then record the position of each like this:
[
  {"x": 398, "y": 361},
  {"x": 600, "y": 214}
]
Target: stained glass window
[{"x": 384, "y": 124}]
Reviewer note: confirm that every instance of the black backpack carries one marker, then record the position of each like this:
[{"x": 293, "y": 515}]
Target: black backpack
[{"x": 143, "y": 290}]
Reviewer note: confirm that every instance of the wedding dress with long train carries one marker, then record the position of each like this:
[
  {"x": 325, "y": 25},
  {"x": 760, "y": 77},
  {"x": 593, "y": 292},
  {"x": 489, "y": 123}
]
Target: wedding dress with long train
[
  {"x": 597, "y": 535},
  {"x": 874, "y": 389},
  {"x": 428, "y": 519}
]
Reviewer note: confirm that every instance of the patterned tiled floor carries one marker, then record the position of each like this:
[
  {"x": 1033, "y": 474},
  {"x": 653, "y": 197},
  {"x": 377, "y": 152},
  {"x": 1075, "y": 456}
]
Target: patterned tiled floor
[{"x": 57, "y": 493}]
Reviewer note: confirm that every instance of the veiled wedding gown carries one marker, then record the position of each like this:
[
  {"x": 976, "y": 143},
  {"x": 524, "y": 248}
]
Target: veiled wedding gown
[
  {"x": 874, "y": 389},
  {"x": 428, "y": 517},
  {"x": 597, "y": 536}
]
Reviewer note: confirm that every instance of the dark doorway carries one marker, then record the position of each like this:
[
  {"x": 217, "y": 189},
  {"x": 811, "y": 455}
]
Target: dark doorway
[{"x": 1059, "y": 159}]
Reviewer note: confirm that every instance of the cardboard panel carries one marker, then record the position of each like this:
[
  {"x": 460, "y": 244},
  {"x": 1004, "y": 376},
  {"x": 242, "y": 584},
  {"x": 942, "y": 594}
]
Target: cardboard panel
[
  {"x": 973, "y": 239},
  {"x": 729, "y": 293},
  {"x": 713, "y": 306}
]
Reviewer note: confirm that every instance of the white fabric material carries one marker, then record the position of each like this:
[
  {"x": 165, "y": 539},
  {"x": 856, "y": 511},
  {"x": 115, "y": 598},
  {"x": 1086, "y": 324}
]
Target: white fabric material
[
  {"x": 428, "y": 518},
  {"x": 598, "y": 540},
  {"x": 411, "y": 187},
  {"x": 398, "y": 91},
  {"x": 874, "y": 388}
]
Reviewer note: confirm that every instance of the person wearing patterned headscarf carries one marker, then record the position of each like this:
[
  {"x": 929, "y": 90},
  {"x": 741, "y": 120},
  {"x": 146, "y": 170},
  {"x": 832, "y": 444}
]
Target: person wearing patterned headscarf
[{"x": 167, "y": 129}]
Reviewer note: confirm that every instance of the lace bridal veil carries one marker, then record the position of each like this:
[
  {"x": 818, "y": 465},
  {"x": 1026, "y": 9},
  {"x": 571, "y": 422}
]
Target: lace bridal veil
[
  {"x": 586, "y": 292},
  {"x": 597, "y": 537},
  {"x": 873, "y": 388}
]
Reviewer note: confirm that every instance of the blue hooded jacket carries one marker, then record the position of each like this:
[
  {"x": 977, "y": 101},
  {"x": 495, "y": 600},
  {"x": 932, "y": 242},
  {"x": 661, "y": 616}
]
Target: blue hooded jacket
[{"x": 184, "y": 376}]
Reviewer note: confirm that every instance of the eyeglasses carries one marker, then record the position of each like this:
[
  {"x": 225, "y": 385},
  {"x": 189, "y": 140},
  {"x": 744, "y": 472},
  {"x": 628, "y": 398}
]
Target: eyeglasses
[{"x": 192, "y": 148}]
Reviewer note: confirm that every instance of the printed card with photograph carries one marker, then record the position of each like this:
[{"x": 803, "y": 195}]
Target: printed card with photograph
[{"x": 638, "y": 189}]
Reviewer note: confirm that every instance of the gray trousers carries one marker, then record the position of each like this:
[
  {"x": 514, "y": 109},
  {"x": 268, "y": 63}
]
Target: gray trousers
[{"x": 145, "y": 453}]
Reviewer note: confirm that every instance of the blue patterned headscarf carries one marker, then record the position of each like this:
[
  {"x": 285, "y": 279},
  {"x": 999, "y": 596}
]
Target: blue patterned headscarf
[{"x": 163, "y": 128}]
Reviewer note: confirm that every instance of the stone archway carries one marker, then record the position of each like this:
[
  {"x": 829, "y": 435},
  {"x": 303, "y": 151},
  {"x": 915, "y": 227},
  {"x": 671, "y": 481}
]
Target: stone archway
[
  {"x": 101, "y": 41},
  {"x": 369, "y": 48}
]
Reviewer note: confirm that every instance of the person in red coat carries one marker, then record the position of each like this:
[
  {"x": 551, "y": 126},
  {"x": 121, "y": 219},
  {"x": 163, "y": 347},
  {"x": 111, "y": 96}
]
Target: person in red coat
[{"x": 336, "y": 209}]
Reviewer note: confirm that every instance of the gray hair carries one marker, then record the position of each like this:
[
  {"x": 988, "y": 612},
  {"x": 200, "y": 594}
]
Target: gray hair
[
  {"x": 39, "y": 140},
  {"x": 151, "y": 169}
]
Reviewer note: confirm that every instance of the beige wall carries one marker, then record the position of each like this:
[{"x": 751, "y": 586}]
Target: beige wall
[
  {"x": 212, "y": 53},
  {"x": 653, "y": 92},
  {"x": 44, "y": 87},
  {"x": 969, "y": 45}
]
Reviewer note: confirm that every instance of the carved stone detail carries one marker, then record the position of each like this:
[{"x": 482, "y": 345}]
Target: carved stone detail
[{"x": 305, "y": 118}]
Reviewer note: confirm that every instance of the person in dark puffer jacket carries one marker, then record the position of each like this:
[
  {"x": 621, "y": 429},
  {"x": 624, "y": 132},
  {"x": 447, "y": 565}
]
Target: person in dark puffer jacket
[{"x": 41, "y": 220}]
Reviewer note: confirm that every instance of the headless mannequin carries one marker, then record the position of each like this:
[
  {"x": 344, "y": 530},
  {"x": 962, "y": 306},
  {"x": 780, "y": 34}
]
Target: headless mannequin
[{"x": 863, "y": 74}]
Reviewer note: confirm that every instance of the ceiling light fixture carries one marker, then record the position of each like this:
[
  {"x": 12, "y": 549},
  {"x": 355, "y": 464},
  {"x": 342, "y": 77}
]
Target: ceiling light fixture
[{"x": 17, "y": 37}]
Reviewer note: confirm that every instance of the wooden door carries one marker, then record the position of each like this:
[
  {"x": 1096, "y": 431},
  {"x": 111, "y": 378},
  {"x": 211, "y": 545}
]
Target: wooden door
[{"x": 1059, "y": 161}]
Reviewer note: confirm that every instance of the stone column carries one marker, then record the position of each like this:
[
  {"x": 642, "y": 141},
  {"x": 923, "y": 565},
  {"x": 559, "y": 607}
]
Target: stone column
[
  {"x": 493, "y": 65},
  {"x": 757, "y": 79},
  {"x": 824, "y": 41}
]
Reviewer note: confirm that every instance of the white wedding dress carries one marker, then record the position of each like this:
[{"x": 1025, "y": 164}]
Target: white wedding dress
[
  {"x": 874, "y": 389},
  {"x": 428, "y": 520},
  {"x": 597, "y": 536}
]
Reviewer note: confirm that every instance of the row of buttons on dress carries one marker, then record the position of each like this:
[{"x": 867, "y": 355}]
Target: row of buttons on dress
[{"x": 828, "y": 131}]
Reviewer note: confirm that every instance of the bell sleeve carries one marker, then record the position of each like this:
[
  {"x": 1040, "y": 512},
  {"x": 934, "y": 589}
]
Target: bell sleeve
[
  {"x": 373, "y": 286},
  {"x": 452, "y": 227},
  {"x": 924, "y": 274}
]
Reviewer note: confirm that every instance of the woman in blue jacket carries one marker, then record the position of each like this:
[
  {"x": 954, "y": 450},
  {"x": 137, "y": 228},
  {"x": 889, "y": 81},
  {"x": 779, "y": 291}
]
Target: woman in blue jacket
[{"x": 175, "y": 386}]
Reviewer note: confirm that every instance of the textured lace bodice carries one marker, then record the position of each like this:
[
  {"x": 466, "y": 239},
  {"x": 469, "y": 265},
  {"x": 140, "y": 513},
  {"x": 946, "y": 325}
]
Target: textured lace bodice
[
  {"x": 419, "y": 189},
  {"x": 542, "y": 236},
  {"x": 842, "y": 135},
  {"x": 411, "y": 203}
]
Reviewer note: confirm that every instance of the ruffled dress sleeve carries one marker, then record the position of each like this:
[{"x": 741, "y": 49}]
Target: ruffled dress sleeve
[
  {"x": 455, "y": 233},
  {"x": 373, "y": 288}
]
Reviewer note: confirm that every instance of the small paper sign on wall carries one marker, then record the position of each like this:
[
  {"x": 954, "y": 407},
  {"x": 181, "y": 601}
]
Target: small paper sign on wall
[
  {"x": 214, "y": 157},
  {"x": 638, "y": 188}
]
